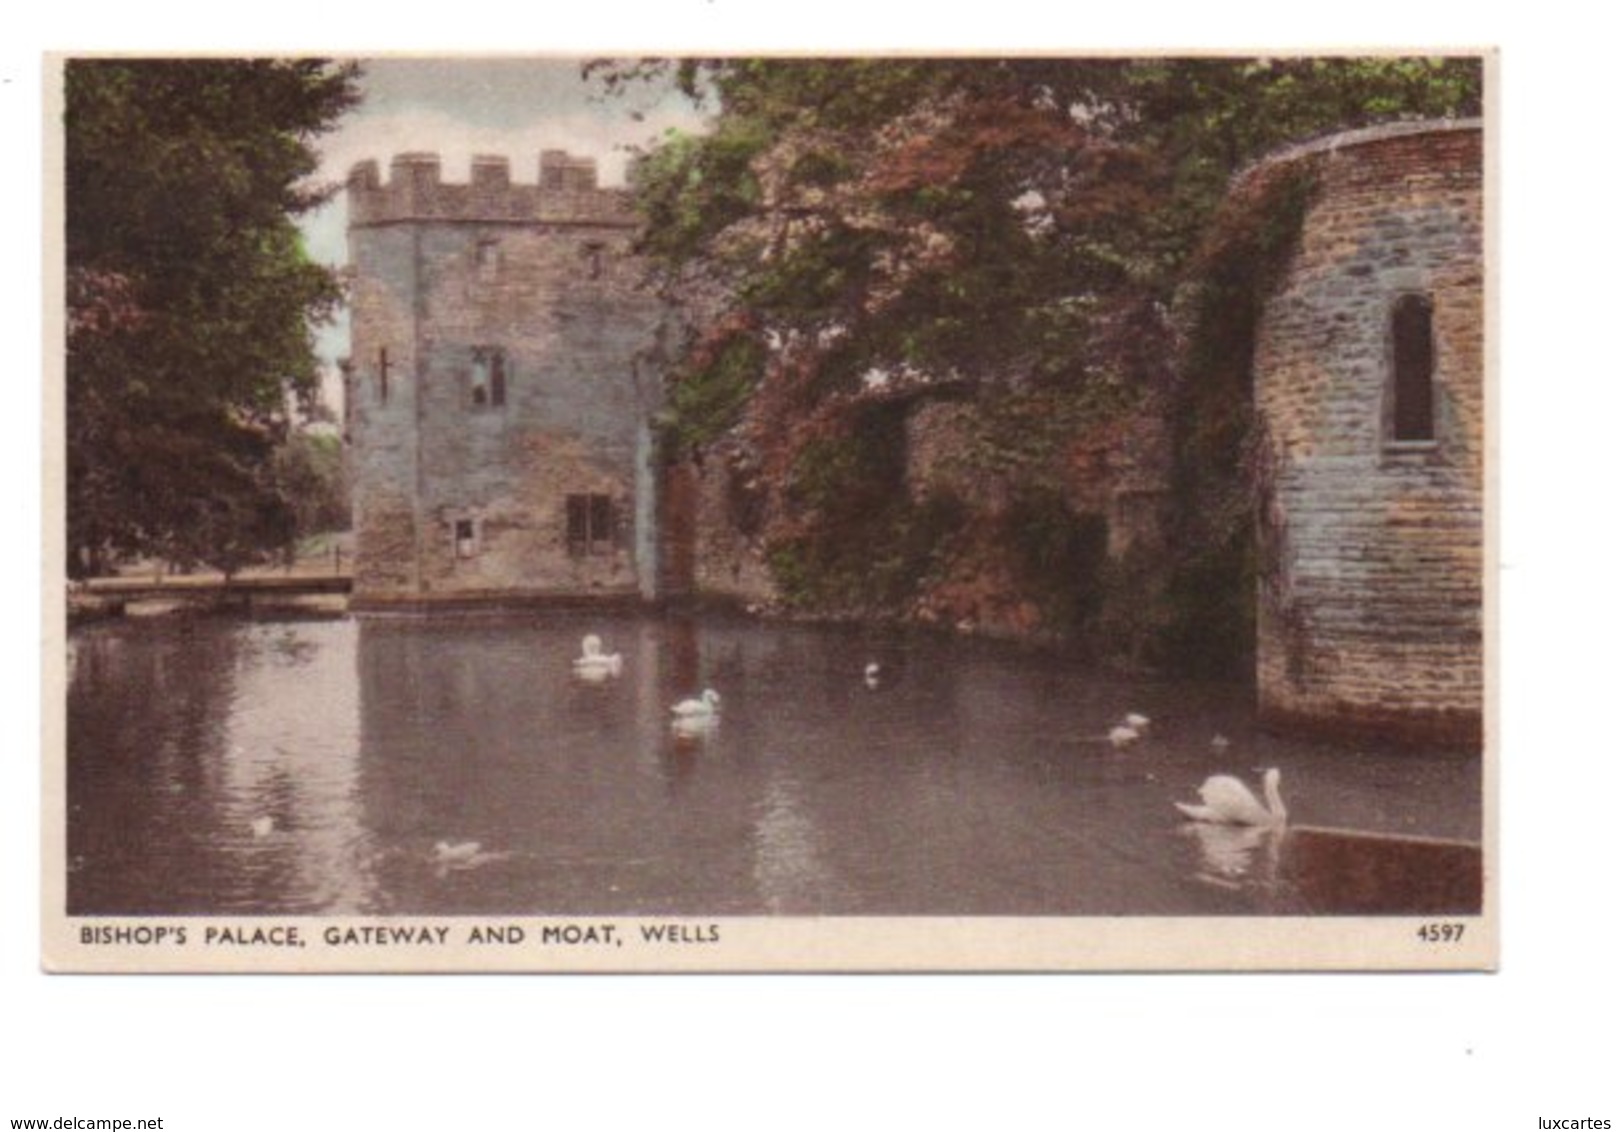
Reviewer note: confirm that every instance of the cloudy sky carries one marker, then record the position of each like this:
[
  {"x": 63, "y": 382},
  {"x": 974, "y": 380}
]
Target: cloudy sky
[{"x": 511, "y": 107}]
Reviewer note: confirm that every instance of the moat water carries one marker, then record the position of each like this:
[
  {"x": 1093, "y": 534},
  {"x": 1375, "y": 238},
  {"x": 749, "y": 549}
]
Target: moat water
[{"x": 313, "y": 767}]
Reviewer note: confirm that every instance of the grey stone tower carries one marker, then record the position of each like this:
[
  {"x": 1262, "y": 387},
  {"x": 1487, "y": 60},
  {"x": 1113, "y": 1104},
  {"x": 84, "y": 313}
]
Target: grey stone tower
[
  {"x": 1370, "y": 376},
  {"x": 497, "y": 408}
]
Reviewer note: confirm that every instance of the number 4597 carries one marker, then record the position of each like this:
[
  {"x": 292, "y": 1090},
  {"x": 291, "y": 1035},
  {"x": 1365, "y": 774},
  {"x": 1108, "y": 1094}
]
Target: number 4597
[{"x": 1441, "y": 933}]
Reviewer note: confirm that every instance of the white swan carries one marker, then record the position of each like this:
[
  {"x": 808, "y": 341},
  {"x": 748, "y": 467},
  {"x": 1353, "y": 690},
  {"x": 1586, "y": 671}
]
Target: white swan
[
  {"x": 706, "y": 706},
  {"x": 460, "y": 856},
  {"x": 460, "y": 853},
  {"x": 1227, "y": 801},
  {"x": 1119, "y": 736},
  {"x": 695, "y": 720},
  {"x": 1137, "y": 722},
  {"x": 870, "y": 674},
  {"x": 593, "y": 663}
]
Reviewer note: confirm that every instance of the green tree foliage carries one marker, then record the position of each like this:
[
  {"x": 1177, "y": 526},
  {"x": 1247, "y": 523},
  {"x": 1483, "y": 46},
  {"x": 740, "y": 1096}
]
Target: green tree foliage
[
  {"x": 310, "y": 475},
  {"x": 190, "y": 299},
  {"x": 1017, "y": 230}
]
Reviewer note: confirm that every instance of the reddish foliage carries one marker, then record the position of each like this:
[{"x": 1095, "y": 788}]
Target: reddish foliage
[{"x": 944, "y": 155}]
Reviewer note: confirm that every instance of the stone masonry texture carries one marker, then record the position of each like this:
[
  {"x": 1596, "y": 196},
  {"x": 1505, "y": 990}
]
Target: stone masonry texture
[{"x": 494, "y": 373}]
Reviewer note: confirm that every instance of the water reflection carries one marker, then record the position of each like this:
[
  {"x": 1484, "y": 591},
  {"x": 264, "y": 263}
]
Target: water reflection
[
  {"x": 297, "y": 770},
  {"x": 787, "y": 870},
  {"x": 226, "y": 766},
  {"x": 212, "y": 764},
  {"x": 692, "y": 731},
  {"x": 1231, "y": 854}
]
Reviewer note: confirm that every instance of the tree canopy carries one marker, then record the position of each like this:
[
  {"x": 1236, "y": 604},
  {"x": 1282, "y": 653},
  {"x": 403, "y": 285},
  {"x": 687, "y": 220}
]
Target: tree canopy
[
  {"x": 190, "y": 298},
  {"x": 979, "y": 217},
  {"x": 1018, "y": 229}
]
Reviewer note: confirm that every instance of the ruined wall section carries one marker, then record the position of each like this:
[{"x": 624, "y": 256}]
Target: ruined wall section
[
  {"x": 510, "y": 319},
  {"x": 1371, "y": 604},
  {"x": 728, "y": 528},
  {"x": 1114, "y": 470}
]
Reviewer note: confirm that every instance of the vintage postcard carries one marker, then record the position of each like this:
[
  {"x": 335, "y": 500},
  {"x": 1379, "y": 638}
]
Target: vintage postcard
[{"x": 793, "y": 513}]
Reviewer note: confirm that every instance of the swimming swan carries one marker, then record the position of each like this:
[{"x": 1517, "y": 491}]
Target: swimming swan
[
  {"x": 1119, "y": 736},
  {"x": 460, "y": 856},
  {"x": 705, "y": 707},
  {"x": 593, "y": 663},
  {"x": 1137, "y": 722},
  {"x": 1227, "y": 801}
]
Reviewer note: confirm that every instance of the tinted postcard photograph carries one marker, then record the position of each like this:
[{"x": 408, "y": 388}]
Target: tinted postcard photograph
[{"x": 771, "y": 513}]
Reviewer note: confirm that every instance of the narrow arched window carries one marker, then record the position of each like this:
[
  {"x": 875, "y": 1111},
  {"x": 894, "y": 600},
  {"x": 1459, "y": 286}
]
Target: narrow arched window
[{"x": 1413, "y": 370}]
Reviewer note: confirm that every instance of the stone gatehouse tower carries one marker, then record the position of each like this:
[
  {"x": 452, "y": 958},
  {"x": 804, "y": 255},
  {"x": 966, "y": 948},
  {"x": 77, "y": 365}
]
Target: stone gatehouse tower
[
  {"x": 1369, "y": 382},
  {"x": 497, "y": 412}
]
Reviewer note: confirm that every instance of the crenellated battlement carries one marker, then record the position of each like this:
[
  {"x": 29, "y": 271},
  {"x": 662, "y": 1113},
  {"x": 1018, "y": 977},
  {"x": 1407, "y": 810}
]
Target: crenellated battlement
[{"x": 565, "y": 192}]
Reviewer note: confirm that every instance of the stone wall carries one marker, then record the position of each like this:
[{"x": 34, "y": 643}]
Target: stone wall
[
  {"x": 1117, "y": 469},
  {"x": 719, "y": 509},
  {"x": 729, "y": 527},
  {"x": 494, "y": 374},
  {"x": 1370, "y": 614}
]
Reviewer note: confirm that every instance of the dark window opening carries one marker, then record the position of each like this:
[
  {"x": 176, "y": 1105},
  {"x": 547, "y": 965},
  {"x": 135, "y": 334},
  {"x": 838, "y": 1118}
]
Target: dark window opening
[
  {"x": 487, "y": 385},
  {"x": 383, "y": 374},
  {"x": 1413, "y": 364},
  {"x": 465, "y": 543},
  {"x": 594, "y": 261},
  {"x": 590, "y": 524}
]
